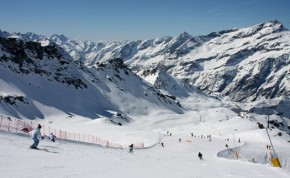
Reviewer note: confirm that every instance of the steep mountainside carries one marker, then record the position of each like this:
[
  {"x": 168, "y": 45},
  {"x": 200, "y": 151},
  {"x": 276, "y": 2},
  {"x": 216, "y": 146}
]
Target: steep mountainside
[{"x": 38, "y": 81}]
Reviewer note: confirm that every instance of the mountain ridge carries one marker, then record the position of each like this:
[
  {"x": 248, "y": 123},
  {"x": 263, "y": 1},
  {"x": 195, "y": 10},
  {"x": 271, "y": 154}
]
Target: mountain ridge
[{"x": 240, "y": 64}]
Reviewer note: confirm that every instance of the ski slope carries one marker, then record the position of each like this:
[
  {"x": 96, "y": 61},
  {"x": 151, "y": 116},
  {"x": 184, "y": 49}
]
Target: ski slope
[{"x": 176, "y": 159}]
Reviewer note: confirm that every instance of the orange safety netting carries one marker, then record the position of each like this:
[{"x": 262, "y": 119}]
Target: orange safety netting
[{"x": 17, "y": 125}]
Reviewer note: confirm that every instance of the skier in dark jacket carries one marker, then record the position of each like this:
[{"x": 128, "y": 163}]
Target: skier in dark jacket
[
  {"x": 200, "y": 156},
  {"x": 52, "y": 137},
  {"x": 131, "y": 148}
]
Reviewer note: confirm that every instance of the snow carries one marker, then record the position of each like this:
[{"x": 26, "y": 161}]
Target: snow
[
  {"x": 237, "y": 51},
  {"x": 72, "y": 159},
  {"x": 111, "y": 90},
  {"x": 204, "y": 116}
]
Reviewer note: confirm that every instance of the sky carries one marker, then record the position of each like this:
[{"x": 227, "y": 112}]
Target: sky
[{"x": 97, "y": 20}]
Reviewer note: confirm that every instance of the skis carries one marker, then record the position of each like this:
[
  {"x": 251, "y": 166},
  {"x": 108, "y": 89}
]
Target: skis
[{"x": 43, "y": 149}]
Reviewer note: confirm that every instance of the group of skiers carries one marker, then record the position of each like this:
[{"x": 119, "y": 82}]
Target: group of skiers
[
  {"x": 179, "y": 140},
  {"x": 36, "y": 136}
]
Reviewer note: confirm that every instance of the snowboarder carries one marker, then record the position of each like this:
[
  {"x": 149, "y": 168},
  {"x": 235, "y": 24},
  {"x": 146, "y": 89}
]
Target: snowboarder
[
  {"x": 131, "y": 148},
  {"x": 52, "y": 137},
  {"x": 200, "y": 155},
  {"x": 36, "y": 135}
]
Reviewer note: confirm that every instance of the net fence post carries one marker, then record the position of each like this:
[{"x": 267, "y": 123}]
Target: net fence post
[
  {"x": 17, "y": 125},
  {"x": 8, "y": 125},
  {"x": 1, "y": 122}
]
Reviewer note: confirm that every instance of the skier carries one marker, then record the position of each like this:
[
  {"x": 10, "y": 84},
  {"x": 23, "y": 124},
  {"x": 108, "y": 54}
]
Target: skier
[
  {"x": 270, "y": 156},
  {"x": 162, "y": 144},
  {"x": 36, "y": 135},
  {"x": 227, "y": 145},
  {"x": 131, "y": 148},
  {"x": 200, "y": 156},
  {"x": 52, "y": 137}
]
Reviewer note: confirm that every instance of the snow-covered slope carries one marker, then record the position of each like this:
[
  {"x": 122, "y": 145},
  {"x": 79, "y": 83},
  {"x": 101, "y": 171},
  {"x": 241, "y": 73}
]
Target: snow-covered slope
[
  {"x": 174, "y": 160},
  {"x": 45, "y": 80}
]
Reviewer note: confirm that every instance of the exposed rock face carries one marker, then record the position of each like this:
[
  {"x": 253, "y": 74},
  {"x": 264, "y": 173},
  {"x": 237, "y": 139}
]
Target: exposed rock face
[{"x": 30, "y": 57}]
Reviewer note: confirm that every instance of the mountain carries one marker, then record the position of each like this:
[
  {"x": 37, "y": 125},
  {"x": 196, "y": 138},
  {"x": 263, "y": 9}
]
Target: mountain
[
  {"x": 244, "y": 64},
  {"x": 237, "y": 65},
  {"x": 39, "y": 81}
]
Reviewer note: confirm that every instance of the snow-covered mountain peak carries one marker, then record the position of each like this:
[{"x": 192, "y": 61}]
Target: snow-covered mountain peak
[
  {"x": 59, "y": 39},
  {"x": 260, "y": 30},
  {"x": 29, "y": 36},
  {"x": 274, "y": 23},
  {"x": 180, "y": 39},
  {"x": 184, "y": 35},
  {"x": 4, "y": 34}
]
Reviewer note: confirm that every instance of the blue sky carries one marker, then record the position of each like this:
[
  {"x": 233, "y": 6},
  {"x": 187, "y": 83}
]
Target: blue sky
[{"x": 136, "y": 19}]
